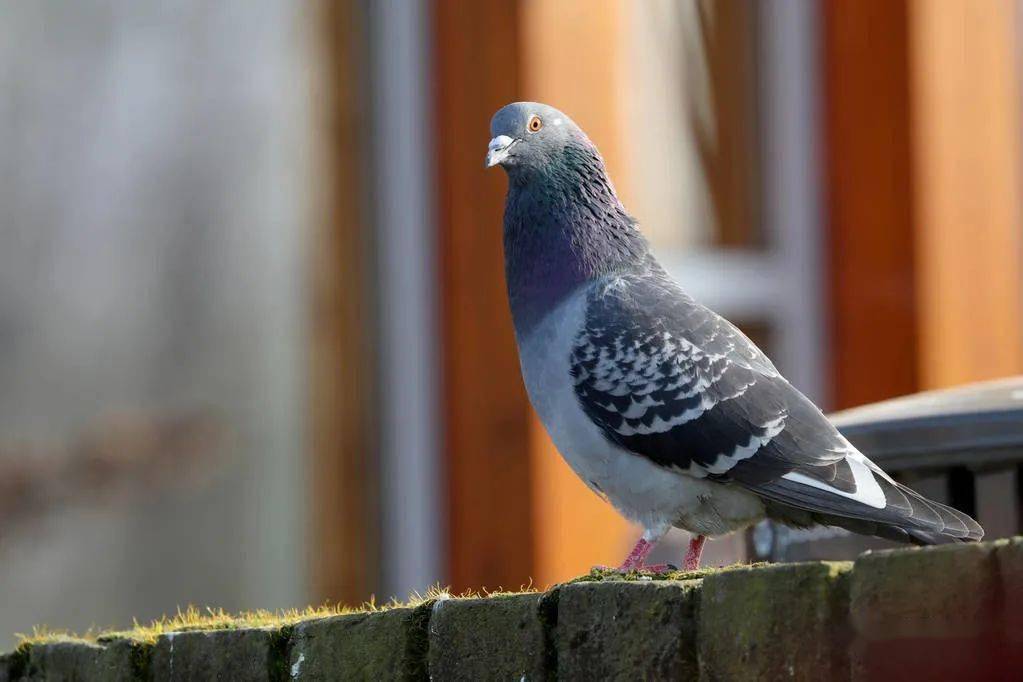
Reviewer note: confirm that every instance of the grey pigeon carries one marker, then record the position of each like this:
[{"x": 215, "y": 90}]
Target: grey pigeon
[{"x": 661, "y": 406}]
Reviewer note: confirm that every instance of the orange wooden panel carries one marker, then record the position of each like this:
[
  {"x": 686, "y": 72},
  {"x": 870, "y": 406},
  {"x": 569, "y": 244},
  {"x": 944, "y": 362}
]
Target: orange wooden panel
[
  {"x": 964, "y": 58},
  {"x": 572, "y": 60},
  {"x": 344, "y": 558},
  {"x": 730, "y": 151},
  {"x": 869, "y": 211},
  {"x": 487, "y": 415}
]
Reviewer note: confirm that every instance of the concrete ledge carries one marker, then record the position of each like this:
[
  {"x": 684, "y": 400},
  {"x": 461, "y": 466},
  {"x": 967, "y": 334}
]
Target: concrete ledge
[
  {"x": 775, "y": 622},
  {"x": 242, "y": 655},
  {"x": 501, "y": 637},
  {"x": 950, "y": 612},
  {"x": 929, "y": 613},
  {"x": 13, "y": 666},
  {"x": 117, "y": 661},
  {"x": 387, "y": 645},
  {"x": 1009, "y": 559},
  {"x": 618, "y": 630}
]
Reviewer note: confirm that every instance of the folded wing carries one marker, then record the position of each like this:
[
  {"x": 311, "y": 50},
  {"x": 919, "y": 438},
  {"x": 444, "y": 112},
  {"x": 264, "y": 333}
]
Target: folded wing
[{"x": 670, "y": 380}]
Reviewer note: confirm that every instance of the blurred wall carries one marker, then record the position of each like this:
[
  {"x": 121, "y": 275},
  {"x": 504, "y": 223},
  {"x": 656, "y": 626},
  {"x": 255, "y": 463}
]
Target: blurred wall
[{"x": 153, "y": 204}]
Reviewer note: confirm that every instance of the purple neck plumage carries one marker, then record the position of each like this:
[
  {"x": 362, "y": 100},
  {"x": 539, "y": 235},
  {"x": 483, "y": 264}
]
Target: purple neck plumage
[{"x": 563, "y": 226}]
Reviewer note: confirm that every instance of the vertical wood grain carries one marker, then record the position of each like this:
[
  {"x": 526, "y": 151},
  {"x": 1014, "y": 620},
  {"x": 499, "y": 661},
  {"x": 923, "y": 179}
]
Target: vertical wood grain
[
  {"x": 572, "y": 57},
  {"x": 871, "y": 261},
  {"x": 487, "y": 416},
  {"x": 344, "y": 547},
  {"x": 729, "y": 152},
  {"x": 964, "y": 57}
]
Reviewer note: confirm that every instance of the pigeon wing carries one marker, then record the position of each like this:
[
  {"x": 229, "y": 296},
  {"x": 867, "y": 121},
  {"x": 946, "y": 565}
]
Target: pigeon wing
[{"x": 667, "y": 379}]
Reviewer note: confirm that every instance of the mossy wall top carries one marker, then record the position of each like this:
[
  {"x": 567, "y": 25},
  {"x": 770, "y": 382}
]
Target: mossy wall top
[{"x": 953, "y": 612}]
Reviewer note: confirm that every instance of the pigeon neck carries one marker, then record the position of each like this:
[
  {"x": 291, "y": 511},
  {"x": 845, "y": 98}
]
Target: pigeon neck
[{"x": 564, "y": 227}]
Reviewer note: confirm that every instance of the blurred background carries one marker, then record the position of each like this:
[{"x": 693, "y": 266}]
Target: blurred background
[{"x": 255, "y": 350}]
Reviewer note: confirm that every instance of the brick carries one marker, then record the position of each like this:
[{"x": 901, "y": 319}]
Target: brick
[
  {"x": 238, "y": 655},
  {"x": 1010, "y": 570},
  {"x": 620, "y": 630},
  {"x": 929, "y": 613},
  {"x": 12, "y": 666},
  {"x": 386, "y": 645},
  {"x": 782, "y": 622},
  {"x": 112, "y": 661},
  {"x": 501, "y": 637},
  {"x": 1009, "y": 557}
]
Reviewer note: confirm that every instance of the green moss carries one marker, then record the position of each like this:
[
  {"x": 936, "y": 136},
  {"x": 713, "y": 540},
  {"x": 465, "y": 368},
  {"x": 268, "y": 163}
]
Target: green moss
[
  {"x": 216, "y": 655},
  {"x": 194, "y": 618},
  {"x": 896, "y": 593},
  {"x": 613, "y": 574},
  {"x": 772, "y": 622},
  {"x": 388, "y": 644},
  {"x": 1010, "y": 571},
  {"x": 417, "y": 643},
  {"x": 76, "y": 660},
  {"x": 501, "y": 637},
  {"x": 611, "y": 629},
  {"x": 277, "y": 661},
  {"x": 141, "y": 659}
]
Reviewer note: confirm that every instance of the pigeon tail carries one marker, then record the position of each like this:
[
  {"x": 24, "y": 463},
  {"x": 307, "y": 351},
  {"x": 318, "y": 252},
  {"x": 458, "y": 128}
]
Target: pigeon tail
[{"x": 906, "y": 516}]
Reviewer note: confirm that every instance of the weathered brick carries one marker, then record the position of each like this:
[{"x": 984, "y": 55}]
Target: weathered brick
[
  {"x": 111, "y": 661},
  {"x": 241, "y": 655},
  {"x": 387, "y": 645},
  {"x": 926, "y": 613},
  {"x": 12, "y": 666},
  {"x": 1010, "y": 570},
  {"x": 1009, "y": 556},
  {"x": 783, "y": 622},
  {"x": 627, "y": 630},
  {"x": 501, "y": 637}
]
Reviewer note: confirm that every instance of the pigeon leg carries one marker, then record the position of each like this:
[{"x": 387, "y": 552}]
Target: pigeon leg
[
  {"x": 639, "y": 553},
  {"x": 692, "y": 560},
  {"x": 637, "y": 556}
]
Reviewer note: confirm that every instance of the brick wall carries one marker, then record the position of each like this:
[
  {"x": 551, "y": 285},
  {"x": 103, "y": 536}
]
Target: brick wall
[{"x": 951, "y": 612}]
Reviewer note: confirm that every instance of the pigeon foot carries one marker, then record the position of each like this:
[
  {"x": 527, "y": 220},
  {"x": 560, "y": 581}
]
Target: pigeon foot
[{"x": 691, "y": 562}]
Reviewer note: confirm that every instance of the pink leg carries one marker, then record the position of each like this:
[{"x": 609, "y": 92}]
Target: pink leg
[
  {"x": 639, "y": 553},
  {"x": 692, "y": 560},
  {"x": 637, "y": 556}
]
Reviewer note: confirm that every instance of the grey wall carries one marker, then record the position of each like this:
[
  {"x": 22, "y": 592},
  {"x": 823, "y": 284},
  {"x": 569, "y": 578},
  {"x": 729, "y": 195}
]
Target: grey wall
[{"x": 154, "y": 198}]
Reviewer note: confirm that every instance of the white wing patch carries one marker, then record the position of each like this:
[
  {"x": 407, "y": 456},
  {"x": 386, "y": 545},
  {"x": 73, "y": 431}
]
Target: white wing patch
[{"x": 867, "y": 492}]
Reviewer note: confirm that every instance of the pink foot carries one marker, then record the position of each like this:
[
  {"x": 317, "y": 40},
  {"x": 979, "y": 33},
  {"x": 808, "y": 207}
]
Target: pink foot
[
  {"x": 692, "y": 558},
  {"x": 637, "y": 556},
  {"x": 649, "y": 568}
]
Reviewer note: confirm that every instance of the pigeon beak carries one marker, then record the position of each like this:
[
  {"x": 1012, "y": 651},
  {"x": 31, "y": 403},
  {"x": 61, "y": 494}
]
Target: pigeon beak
[{"x": 497, "y": 150}]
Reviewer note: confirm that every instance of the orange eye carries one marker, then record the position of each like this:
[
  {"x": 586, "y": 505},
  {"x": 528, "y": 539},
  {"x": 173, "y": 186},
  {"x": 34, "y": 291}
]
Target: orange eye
[{"x": 534, "y": 124}]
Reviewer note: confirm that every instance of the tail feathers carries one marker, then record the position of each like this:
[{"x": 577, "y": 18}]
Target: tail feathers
[
  {"x": 889, "y": 532},
  {"x": 904, "y": 515},
  {"x": 927, "y": 521}
]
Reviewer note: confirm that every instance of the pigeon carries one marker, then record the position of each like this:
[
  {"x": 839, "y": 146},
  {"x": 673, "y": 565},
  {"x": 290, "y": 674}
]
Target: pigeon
[{"x": 662, "y": 407}]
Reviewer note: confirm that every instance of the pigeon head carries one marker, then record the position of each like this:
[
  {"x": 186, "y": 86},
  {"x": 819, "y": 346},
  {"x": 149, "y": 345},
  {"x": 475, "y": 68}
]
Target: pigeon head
[
  {"x": 563, "y": 223},
  {"x": 531, "y": 136}
]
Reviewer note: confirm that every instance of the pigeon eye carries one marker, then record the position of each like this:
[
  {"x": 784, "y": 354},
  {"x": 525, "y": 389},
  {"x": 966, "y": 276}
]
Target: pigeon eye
[{"x": 534, "y": 124}]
